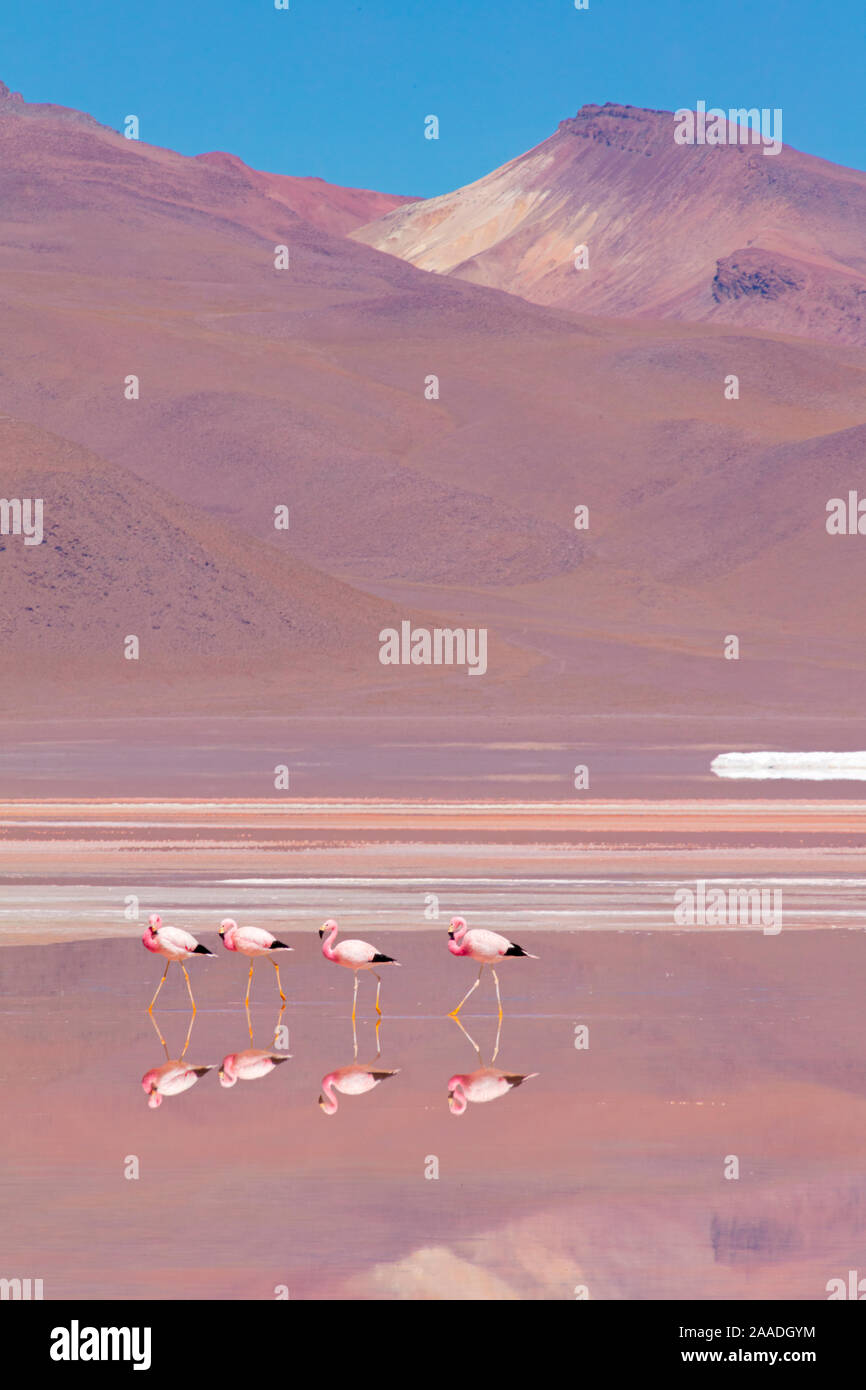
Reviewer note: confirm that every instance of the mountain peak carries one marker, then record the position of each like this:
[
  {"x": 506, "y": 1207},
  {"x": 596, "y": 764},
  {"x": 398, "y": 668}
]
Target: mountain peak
[
  {"x": 14, "y": 103},
  {"x": 654, "y": 239},
  {"x": 7, "y": 95},
  {"x": 622, "y": 127}
]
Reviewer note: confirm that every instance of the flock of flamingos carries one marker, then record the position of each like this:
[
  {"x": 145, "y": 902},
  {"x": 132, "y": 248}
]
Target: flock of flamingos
[{"x": 176, "y": 944}]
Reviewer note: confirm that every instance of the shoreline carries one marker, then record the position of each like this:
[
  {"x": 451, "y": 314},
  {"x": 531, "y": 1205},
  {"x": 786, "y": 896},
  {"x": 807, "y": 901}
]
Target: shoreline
[{"x": 68, "y": 867}]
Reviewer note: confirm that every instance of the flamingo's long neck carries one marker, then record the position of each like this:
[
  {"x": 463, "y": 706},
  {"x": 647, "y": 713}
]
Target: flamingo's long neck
[
  {"x": 330, "y": 1107},
  {"x": 455, "y": 943},
  {"x": 328, "y": 945},
  {"x": 458, "y": 1099}
]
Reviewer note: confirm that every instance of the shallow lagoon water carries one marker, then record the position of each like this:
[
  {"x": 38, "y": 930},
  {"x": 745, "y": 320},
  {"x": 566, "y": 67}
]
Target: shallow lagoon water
[{"x": 605, "y": 1172}]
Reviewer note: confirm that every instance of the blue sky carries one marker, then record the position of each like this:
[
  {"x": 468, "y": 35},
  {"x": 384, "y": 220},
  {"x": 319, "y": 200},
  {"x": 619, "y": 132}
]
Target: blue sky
[{"x": 340, "y": 88}]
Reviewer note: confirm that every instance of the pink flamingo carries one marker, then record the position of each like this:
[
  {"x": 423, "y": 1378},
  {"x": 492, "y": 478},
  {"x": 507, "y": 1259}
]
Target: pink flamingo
[
  {"x": 249, "y": 1065},
  {"x": 487, "y": 1083},
  {"x": 175, "y": 944},
  {"x": 354, "y": 1080},
  {"x": 483, "y": 946},
  {"x": 253, "y": 942},
  {"x": 355, "y": 955},
  {"x": 171, "y": 1079},
  {"x": 174, "y": 1076}
]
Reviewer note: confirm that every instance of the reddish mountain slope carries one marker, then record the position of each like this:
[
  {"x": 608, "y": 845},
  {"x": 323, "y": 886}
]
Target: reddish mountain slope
[
  {"x": 727, "y": 232},
  {"x": 306, "y": 387},
  {"x": 326, "y": 205},
  {"x": 223, "y": 179}
]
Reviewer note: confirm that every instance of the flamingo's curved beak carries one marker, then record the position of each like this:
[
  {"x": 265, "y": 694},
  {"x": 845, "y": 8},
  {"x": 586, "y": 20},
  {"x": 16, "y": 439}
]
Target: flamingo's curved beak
[{"x": 321, "y": 932}]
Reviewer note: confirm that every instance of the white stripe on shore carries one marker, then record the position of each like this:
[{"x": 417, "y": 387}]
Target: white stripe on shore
[{"x": 627, "y": 884}]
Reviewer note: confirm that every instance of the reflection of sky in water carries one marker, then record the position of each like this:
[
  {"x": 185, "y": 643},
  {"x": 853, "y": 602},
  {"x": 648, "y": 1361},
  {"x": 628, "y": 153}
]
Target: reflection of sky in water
[{"x": 798, "y": 767}]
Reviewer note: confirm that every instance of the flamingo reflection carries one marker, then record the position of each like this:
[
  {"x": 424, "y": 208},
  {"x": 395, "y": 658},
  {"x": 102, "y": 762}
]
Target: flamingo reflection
[
  {"x": 356, "y": 1079},
  {"x": 175, "y": 1075},
  {"x": 253, "y": 1062},
  {"x": 486, "y": 1082}
]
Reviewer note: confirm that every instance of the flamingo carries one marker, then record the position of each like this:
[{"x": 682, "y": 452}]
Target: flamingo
[
  {"x": 486, "y": 1082},
  {"x": 483, "y": 946},
  {"x": 354, "y": 1080},
  {"x": 175, "y": 944},
  {"x": 249, "y": 1065},
  {"x": 171, "y": 1079},
  {"x": 174, "y": 1076},
  {"x": 253, "y": 942},
  {"x": 355, "y": 955}
]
